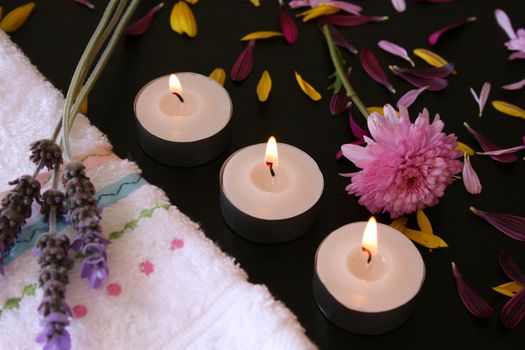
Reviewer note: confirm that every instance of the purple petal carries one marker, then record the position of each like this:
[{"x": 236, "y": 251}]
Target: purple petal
[
  {"x": 475, "y": 304},
  {"x": 345, "y": 6},
  {"x": 399, "y": 5},
  {"x": 429, "y": 72},
  {"x": 514, "y": 310},
  {"x": 515, "y": 86},
  {"x": 483, "y": 97},
  {"x": 288, "y": 27},
  {"x": 508, "y": 265},
  {"x": 503, "y": 151},
  {"x": 85, "y": 3},
  {"x": 410, "y": 97},
  {"x": 434, "y": 37},
  {"x": 517, "y": 55},
  {"x": 349, "y": 20},
  {"x": 339, "y": 102},
  {"x": 339, "y": 155},
  {"x": 490, "y": 147},
  {"x": 59, "y": 342},
  {"x": 470, "y": 177},
  {"x": 433, "y": 84},
  {"x": 358, "y": 132},
  {"x": 505, "y": 24},
  {"x": 340, "y": 40},
  {"x": 374, "y": 70},
  {"x": 143, "y": 23},
  {"x": 511, "y": 225},
  {"x": 395, "y": 50},
  {"x": 244, "y": 63}
]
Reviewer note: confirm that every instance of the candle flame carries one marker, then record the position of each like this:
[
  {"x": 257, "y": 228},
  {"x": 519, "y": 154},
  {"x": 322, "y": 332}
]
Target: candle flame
[
  {"x": 369, "y": 241},
  {"x": 271, "y": 156},
  {"x": 175, "y": 86}
]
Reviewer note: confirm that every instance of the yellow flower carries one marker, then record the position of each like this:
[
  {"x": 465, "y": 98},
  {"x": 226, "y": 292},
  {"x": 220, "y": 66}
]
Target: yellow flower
[
  {"x": 219, "y": 75},
  {"x": 308, "y": 89},
  {"x": 182, "y": 19},
  {"x": 264, "y": 86},
  {"x": 16, "y": 18}
]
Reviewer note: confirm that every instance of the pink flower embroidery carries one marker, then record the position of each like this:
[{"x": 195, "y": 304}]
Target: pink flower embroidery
[
  {"x": 147, "y": 267},
  {"x": 176, "y": 244}
]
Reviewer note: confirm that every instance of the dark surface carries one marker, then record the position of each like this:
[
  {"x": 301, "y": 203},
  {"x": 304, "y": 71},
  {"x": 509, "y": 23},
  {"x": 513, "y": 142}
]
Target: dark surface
[{"x": 54, "y": 38}]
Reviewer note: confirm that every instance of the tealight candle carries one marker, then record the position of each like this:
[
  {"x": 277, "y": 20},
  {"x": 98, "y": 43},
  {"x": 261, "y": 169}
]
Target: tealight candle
[
  {"x": 270, "y": 192},
  {"x": 367, "y": 277},
  {"x": 183, "y": 119}
]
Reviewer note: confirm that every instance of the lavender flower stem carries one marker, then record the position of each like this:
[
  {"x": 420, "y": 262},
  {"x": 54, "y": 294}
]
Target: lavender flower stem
[{"x": 335, "y": 54}]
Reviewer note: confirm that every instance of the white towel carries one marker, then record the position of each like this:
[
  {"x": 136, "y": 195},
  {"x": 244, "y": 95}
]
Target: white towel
[{"x": 169, "y": 286}]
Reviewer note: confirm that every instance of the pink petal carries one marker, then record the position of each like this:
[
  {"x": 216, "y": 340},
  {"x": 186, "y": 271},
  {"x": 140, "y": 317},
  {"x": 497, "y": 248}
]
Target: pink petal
[
  {"x": 517, "y": 55},
  {"x": 349, "y": 20},
  {"x": 511, "y": 225},
  {"x": 358, "y": 132},
  {"x": 244, "y": 63},
  {"x": 86, "y": 3},
  {"x": 410, "y": 97},
  {"x": 505, "y": 24},
  {"x": 434, "y": 37},
  {"x": 515, "y": 86},
  {"x": 345, "y": 6},
  {"x": 395, "y": 49},
  {"x": 511, "y": 269},
  {"x": 288, "y": 27},
  {"x": 489, "y": 147},
  {"x": 514, "y": 310},
  {"x": 475, "y": 304},
  {"x": 433, "y": 84},
  {"x": 437, "y": 1},
  {"x": 298, "y": 3},
  {"x": 356, "y": 154},
  {"x": 143, "y": 23},
  {"x": 470, "y": 178},
  {"x": 339, "y": 102},
  {"x": 503, "y": 151},
  {"x": 340, "y": 40},
  {"x": 399, "y": 5},
  {"x": 374, "y": 70},
  {"x": 483, "y": 97}
]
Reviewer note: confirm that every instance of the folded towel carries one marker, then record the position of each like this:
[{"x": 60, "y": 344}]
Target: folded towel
[{"x": 169, "y": 286}]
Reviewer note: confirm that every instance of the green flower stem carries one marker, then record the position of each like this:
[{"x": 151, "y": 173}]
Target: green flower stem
[{"x": 335, "y": 54}]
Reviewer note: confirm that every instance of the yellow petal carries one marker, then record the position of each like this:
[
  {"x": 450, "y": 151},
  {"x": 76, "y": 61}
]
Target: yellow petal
[
  {"x": 260, "y": 35},
  {"x": 257, "y": 3},
  {"x": 307, "y": 88},
  {"x": 182, "y": 19},
  {"x": 218, "y": 75},
  {"x": 423, "y": 222},
  {"x": 460, "y": 146},
  {"x": 399, "y": 223},
  {"x": 509, "y": 109},
  {"x": 425, "y": 239},
  {"x": 14, "y": 19},
  {"x": 431, "y": 58},
  {"x": 318, "y": 11},
  {"x": 264, "y": 86},
  {"x": 193, "y": 2},
  {"x": 1, "y": 11},
  {"x": 509, "y": 289},
  {"x": 377, "y": 110}
]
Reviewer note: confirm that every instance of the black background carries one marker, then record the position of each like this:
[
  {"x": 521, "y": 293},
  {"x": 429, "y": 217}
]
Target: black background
[{"x": 55, "y": 36}]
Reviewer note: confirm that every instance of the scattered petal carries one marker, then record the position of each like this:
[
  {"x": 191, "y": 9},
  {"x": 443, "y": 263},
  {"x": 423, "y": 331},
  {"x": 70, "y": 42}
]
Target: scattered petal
[
  {"x": 343, "y": 5},
  {"x": 437, "y": 1},
  {"x": 509, "y": 109},
  {"x": 350, "y": 20},
  {"x": 511, "y": 269},
  {"x": 399, "y": 5},
  {"x": 288, "y": 27},
  {"x": 244, "y": 63},
  {"x": 307, "y": 88},
  {"x": 509, "y": 289},
  {"x": 425, "y": 239},
  {"x": 483, "y": 97},
  {"x": 256, "y": 3},
  {"x": 488, "y": 146},
  {"x": 513, "y": 311},
  {"x": 298, "y": 3},
  {"x": 358, "y": 132},
  {"x": 434, "y": 84},
  {"x": 193, "y": 2},
  {"x": 16, "y": 18},
  {"x": 515, "y": 86},
  {"x": 318, "y": 11},
  {"x": 504, "y": 23},
  {"x": 219, "y": 75},
  {"x": 339, "y": 102},
  {"x": 470, "y": 177},
  {"x": 410, "y": 97},
  {"x": 395, "y": 50},
  {"x": 260, "y": 35},
  {"x": 517, "y": 55},
  {"x": 340, "y": 40},
  {"x": 264, "y": 86},
  {"x": 423, "y": 222},
  {"x": 86, "y": 3},
  {"x": 511, "y": 225},
  {"x": 374, "y": 70},
  {"x": 182, "y": 19},
  {"x": 399, "y": 223},
  {"x": 434, "y": 37},
  {"x": 429, "y": 72},
  {"x": 431, "y": 58},
  {"x": 147, "y": 267},
  {"x": 465, "y": 149},
  {"x": 142, "y": 24},
  {"x": 176, "y": 244},
  {"x": 114, "y": 289},
  {"x": 503, "y": 151},
  {"x": 475, "y": 304},
  {"x": 79, "y": 311}
]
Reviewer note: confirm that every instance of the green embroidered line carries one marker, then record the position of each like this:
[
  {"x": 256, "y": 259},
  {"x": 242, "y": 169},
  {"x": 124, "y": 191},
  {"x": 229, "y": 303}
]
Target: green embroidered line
[
  {"x": 96, "y": 155},
  {"x": 30, "y": 289}
]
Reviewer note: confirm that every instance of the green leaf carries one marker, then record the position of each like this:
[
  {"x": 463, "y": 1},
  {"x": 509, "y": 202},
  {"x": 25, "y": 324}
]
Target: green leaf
[
  {"x": 12, "y": 303},
  {"x": 30, "y": 289}
]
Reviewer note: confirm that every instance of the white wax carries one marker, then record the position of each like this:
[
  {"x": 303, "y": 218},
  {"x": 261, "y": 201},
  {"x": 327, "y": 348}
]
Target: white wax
[
  {"x": 249, "y": 186},
  {"x": 206, "y": 109},
  {"x": 395, "y": 281}
]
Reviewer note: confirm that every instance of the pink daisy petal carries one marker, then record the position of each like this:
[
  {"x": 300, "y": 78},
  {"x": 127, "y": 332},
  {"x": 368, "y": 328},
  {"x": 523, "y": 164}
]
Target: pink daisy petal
[
  {"x": 142, "y": 24},
  {"x": 488, "y": 146},
  {"x": 374, "y": 70},
  {"x": 339, "y": 102},
  {"x": 511, "y": 225},
  {"x": 350, "y": 20},
  {"x": 410, "y": 97},
  {"x": 399, "y": 5},
  {"x": 470, "y": 178},
  {"x": 395, "y": 49},
  {"x": 86, "y": 3},
  {"x": 505, "y": 24},
  {"x": 475, "y": 304},
  {"x": 244, "y": 63},
  {"x": 517, "y": 55},
  {"x": 288, "y": 27},
  {"x": 482, "y": 98},
  {"x": 434, "y": 37},
  {"x": 515, "y": 86}
]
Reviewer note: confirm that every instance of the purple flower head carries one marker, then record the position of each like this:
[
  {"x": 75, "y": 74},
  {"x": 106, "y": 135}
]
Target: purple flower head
[{"x": 94, "y": 266}]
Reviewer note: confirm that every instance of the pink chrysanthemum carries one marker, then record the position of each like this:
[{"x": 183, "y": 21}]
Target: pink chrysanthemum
[{"x": 405, "y": 166}]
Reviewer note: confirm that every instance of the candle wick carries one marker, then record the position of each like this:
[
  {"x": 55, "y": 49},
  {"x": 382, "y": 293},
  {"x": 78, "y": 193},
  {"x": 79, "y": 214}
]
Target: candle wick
[
  {"x": 270, "y": 165},
  {"x": 179, "y": 96},
  {"x": 366, "y": 250}
]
